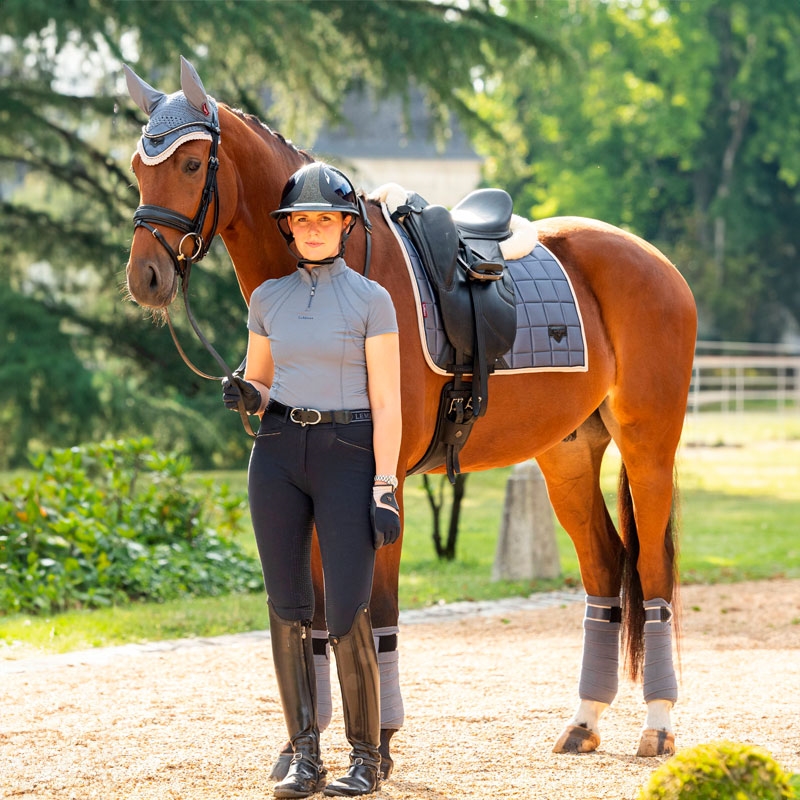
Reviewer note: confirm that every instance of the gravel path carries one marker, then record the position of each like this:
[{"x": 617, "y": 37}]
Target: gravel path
[{"x": 487, "y": 687}]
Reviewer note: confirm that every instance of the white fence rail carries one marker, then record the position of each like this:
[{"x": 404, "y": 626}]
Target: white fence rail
[{"x": 727, "y": 375}]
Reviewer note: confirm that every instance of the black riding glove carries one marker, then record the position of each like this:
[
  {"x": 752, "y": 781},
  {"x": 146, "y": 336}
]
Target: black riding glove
[
  {"x": 385, "y": 515},
  {"x": 240, "y": 389}
]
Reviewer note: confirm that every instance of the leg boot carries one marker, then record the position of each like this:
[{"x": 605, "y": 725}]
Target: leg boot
[
  {"x": 359, "y": 678},
  {"x": 293, "y": 655}
]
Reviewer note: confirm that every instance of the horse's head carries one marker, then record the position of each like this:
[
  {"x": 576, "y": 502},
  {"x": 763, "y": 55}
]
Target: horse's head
[{"x": 175, "y": 164}]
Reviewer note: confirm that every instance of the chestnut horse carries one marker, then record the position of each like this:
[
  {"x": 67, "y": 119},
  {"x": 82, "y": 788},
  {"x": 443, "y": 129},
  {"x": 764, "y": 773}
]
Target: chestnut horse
[{"x": 640, "y": 324}]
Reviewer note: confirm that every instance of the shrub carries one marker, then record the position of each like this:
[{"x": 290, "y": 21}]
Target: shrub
[
  {"x": 720, "y": 771},
  {"x": 113, "y": 522}
]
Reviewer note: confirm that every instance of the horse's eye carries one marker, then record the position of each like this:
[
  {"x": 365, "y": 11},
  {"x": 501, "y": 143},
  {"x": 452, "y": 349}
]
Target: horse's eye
[{"x": 192, "y": 165}]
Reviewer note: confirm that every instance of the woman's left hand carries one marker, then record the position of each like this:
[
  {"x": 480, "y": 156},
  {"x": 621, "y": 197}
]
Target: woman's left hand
[
  {"x": 240, "y": 389},
  {"x": 385, "y": 515}
]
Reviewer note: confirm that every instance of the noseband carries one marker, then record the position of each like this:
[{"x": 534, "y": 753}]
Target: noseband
[{"x": 148, "y": 216}]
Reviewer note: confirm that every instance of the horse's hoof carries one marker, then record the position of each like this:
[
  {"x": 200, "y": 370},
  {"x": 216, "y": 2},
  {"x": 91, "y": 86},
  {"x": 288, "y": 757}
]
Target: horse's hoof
[
  {"x": 656, "y": 743},
  {"x": 577, "y": 739},
  {"x": 387, "y": 762},
  {"x": 281, "y": 765}
]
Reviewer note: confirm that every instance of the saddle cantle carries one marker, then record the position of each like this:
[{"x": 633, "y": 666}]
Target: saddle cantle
[
  {"x": 460, "y": 251},
  {"x": 484, "y": 214}
]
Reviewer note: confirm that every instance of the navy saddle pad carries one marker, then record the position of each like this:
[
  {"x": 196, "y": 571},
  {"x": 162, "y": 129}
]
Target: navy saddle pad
[{"x": 550, "y": 335}]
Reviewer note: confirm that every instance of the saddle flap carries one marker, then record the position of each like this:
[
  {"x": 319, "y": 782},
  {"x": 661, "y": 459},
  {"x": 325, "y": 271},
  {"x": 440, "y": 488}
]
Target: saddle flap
[
  {"x": 434, "y": 234},
  {"x": 478, "y": 325}
]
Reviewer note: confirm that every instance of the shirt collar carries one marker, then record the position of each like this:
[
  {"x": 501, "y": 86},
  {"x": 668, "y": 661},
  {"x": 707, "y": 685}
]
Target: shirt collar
[{"x": 336, "y": 268}]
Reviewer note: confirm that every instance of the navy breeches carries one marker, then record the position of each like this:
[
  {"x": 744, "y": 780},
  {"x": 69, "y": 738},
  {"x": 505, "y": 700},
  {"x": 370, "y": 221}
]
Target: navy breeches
[{"x": 305, "y": 475}]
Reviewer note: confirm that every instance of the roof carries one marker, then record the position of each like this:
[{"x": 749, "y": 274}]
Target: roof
[{"x": 378, "y": 129}]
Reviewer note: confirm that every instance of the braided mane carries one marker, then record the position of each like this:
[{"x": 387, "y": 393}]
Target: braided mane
[{"x": 252, "y": 121}]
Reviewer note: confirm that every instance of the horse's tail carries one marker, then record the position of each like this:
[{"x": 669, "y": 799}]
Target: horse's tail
[{"x": 632, "y": 595}]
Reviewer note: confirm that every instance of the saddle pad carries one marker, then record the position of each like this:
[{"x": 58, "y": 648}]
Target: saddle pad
[{"x": 545, "y": 301}]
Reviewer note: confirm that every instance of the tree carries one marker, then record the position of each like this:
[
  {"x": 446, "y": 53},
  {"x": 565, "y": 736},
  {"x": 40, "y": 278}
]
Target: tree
[
  {"x": 42, "y": 381},
  {"x": 67, "y": 198},
  {"x": 669, "y": 119},
  {"x": 446, "y": 551}
]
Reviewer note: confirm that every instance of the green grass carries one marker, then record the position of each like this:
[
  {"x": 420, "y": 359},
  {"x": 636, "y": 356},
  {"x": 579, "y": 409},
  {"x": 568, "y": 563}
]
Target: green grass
[
  {"x": 24, "y": 635},
  {"x": 740, "y": 501}
]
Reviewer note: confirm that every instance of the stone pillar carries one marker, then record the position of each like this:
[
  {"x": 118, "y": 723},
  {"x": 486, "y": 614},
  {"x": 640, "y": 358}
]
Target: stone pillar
[{"x": 526, "y": 546}]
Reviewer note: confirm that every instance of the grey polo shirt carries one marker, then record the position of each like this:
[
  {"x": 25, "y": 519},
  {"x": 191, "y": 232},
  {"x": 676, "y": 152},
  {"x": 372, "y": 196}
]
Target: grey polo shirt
[{"x": 317, "y": 323}]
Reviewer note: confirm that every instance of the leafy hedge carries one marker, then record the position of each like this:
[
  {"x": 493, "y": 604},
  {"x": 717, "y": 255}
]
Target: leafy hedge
[
  {"x": 113, "y": 522},
  {"x": 721, "y": 770}
]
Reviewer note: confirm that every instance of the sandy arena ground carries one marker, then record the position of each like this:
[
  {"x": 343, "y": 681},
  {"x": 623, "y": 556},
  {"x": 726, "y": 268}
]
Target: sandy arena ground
[{"x": 486, "y": 696}]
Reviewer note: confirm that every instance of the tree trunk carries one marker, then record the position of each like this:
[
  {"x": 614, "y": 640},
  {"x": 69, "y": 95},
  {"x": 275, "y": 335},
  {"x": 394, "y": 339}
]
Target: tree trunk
[{"x": 447, "y": 551}]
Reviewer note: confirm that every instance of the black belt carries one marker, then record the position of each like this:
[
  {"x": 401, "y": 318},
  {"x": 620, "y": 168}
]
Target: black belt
[{"x": 310, "y": 416}]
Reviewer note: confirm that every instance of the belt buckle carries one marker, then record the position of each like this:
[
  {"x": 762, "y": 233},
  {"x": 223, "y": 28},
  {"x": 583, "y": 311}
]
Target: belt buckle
[{"x": 303, "y": 420}]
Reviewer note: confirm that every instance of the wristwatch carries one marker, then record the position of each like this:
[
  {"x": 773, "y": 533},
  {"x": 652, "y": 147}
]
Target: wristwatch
[{"x": 390, "y": 479}]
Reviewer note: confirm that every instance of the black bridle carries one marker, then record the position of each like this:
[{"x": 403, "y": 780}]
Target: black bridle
[{"x": 148, "y": 216}]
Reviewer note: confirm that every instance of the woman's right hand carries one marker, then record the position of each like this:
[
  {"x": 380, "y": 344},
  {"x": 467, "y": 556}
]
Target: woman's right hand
[{"x": 240, "y": 389}]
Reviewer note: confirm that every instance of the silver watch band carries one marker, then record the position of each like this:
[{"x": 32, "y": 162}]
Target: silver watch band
[{"x": 390, "y": 479}]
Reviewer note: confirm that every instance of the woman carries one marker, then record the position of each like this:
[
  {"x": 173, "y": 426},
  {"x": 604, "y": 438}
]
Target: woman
[{"x": 323, "y": 370}]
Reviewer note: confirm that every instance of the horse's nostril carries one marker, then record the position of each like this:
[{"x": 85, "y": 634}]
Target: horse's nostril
[{"x": 153, "y": 278}]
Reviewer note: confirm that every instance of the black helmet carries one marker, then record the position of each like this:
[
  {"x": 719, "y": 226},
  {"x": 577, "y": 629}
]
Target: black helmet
[{"x": 318, "y": 187}]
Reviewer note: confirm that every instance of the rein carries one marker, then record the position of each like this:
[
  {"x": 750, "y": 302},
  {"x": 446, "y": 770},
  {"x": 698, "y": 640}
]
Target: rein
[{"x": 193, "y": 230}]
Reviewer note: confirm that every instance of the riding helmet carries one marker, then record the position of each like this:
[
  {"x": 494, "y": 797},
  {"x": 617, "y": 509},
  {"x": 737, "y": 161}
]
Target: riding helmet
[{"x": 318, "y": 187}]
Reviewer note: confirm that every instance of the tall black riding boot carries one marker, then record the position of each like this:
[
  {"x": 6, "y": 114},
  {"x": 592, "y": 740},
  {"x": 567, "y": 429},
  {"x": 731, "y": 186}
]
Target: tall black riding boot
[
  {"x": 293, "y": 655},
  {"x": 359, "y": 678}
]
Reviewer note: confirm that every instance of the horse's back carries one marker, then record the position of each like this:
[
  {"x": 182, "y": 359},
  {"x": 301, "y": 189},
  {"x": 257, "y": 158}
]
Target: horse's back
[
  {"x": 603, "y": 251},
  {"x": 639, "y": 320},
  {"x": 641, "y": 294}
]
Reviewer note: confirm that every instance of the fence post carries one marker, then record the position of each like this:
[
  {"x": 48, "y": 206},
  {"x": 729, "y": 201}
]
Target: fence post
[{"x": 526, "y": 546}]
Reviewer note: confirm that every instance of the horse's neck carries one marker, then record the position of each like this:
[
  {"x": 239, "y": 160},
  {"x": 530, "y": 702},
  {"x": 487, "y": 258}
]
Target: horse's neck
[{"x": 262, "y": 164}]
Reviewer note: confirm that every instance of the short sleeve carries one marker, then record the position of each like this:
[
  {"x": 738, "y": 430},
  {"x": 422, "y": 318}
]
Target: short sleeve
[
  {"x": 382, "y": 317},
  {"x": 255, "y": 314}
]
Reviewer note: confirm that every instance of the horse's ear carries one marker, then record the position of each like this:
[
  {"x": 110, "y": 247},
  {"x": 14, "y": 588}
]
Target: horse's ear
[
  {"x": 143, "y": 94},
  {"x": 193, "y": 87}
]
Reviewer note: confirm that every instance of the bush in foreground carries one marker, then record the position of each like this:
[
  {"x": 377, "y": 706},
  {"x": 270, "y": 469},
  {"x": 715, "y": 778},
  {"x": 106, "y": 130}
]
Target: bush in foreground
[
  {"x": 721, "y": 771},
  {"x": 108, "y": 523}
]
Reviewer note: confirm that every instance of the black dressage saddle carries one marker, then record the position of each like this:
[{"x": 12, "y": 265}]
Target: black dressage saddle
[{"x": 460, "y": 252}]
